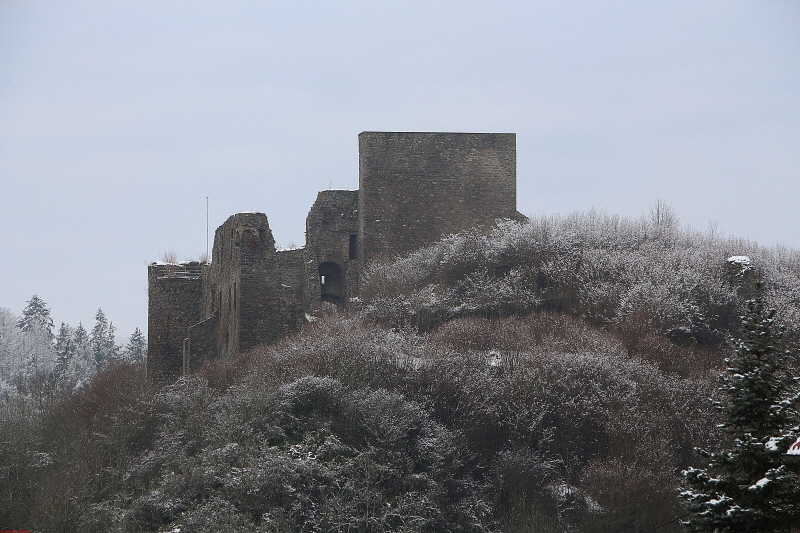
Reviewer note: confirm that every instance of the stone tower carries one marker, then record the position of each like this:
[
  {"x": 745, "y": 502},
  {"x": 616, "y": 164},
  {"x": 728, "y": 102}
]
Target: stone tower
[{"x": 416, "y": 187}]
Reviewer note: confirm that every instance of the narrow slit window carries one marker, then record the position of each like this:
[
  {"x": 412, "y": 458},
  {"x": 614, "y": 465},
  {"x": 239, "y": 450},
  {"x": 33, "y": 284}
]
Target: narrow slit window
[{"x": 353, "y": 246}]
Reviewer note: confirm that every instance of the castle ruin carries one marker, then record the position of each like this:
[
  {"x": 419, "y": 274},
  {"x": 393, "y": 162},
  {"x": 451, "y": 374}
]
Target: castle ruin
[{"x": 413, "y": 188}]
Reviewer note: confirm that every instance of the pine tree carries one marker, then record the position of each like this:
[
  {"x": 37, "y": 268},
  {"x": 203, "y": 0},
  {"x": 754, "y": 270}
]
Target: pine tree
[
  {"x": 81, "y": 338},
  {"x": 111, "y": 348},
  {"x": 65, "y": 348},
  {"x": 102, "y": 339},
  {"x": 36, "y": 315},
  {"x": 83, "y": 364},
  {"x": 136, "y": 349},
  {"x": 746, "y": 487}
]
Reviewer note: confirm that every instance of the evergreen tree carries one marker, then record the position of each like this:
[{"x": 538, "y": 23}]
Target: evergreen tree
[
  {"x": 747, "y": 487},
  {"x": 83, "y": 363},
  {"x": 111, "y": 348},
  {"x": 81, "y": 337},
  {"x": 65, "y": 348},
  {"x": 102, "y": 339},
  {"x": 136, "y": 349},
  {"x": 36, "y": 315}
]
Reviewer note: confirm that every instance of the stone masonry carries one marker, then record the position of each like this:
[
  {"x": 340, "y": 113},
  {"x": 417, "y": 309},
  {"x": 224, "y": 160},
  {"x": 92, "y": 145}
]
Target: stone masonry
[{"x": 413, "y": 188}]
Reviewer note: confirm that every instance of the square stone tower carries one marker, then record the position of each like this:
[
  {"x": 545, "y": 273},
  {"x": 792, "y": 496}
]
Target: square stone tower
[{"x": 416, "y": 187}]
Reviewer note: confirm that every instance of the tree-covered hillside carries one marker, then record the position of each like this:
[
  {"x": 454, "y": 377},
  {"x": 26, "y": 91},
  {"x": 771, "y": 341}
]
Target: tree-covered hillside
[{"x": 550, "y": 376}]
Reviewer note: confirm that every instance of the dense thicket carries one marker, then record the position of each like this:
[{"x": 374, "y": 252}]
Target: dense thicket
[
  {"x": 552, "y": 376},
  {"x": 608, "y": 270}
]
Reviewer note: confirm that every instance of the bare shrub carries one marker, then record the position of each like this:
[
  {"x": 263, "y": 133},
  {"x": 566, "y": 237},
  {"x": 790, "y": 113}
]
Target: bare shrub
[
  {"x": 170, "y": 256},
  {"x": 631, "y": 496}
]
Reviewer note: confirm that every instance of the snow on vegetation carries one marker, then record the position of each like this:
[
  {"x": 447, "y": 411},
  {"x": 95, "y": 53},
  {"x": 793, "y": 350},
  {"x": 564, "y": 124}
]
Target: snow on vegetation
[{"x": 552, "y": 375}]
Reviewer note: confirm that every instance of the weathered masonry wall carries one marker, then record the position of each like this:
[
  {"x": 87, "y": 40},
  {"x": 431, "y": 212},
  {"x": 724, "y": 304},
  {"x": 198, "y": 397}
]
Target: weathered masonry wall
[
  {"x": 174, "y": 303},
  {"x": 332, "y": 245},
  {"x": 416, "y": 187},
  {"x": 245, "y": 286},
  {"x": 291, "y": 265}
]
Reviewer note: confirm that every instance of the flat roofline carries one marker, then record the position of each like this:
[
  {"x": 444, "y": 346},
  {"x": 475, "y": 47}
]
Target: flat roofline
[{"x": 445, "y": 132}]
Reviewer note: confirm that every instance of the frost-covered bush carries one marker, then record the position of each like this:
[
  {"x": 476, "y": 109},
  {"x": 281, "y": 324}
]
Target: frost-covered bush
[
  {"x": 570, "y": 394},
  {"x": 603, "y": 268},
  {"x": 307, "y": 455},
  {"x": 57, "y": 459},
  {"x": 510, "y": 423}
]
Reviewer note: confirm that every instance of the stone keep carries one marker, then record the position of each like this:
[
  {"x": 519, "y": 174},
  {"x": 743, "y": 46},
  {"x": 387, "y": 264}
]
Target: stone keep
[{"x": 413, "y": 188}]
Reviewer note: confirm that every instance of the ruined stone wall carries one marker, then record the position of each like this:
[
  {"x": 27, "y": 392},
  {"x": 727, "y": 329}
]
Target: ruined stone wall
[
  {"x": 245, "y": 286},
  {"x": 201, "y": 344},
  {"x": 416, "y": 187},
  {"x": 291, "y": 265},
  {"x": 332, "y": 245},
  {"x": 413, "y": 188},
  {"x": 174, "y": 304}
]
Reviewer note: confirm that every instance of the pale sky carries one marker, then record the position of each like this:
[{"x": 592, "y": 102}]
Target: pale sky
[{"x": 118, "y": 119}]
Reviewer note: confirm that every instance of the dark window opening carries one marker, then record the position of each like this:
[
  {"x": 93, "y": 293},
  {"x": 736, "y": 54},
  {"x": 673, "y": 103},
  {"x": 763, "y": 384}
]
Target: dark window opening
[
  {"x": 353, "y": 246},
  {"x": 331, "y": 283}
]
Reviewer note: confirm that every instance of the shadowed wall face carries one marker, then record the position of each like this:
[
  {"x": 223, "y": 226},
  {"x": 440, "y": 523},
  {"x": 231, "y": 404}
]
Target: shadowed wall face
[
  {"x": 174, "y": 304},
  {"x": 245, "y": 285},
  {"x": 416, "y": 187}
]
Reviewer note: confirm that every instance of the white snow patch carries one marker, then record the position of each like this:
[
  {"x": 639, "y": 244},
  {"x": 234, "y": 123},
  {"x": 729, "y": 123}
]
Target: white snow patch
[
  {"x": 760, "y": 484},
  {"x": 181, "y": 263},
  {"x": 740, "y": 260},
  {"x": 772, "y": 444}
]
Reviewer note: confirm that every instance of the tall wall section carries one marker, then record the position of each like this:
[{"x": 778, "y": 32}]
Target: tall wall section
[
  {"x": 174, "y": 303},
  {"x": 245, "y": 286},
  {"x": 332, "y": 247},
  {"x": 244, "y": 301},
  {"x": 416, "y": 187}
]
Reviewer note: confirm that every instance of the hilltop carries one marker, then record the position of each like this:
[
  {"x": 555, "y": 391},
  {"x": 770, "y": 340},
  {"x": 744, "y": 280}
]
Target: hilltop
[{"x": 550, "y": 375}]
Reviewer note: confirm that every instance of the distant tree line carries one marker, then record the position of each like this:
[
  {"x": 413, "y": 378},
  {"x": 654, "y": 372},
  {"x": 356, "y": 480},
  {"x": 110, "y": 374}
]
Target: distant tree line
[{"x": 31, "y": 351}]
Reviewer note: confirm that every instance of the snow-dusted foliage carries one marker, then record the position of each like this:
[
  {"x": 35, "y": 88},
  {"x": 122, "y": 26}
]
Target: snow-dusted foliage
[
  {"x": 32, "y": 358},
  {"x": 310, "y": 455},
  {"x": 102, "y": 339},
  {"x": 548, "y": 376},
  {"x": 748, "y": 486},
  {"x": 27, "y": 354},
  {"x": 511, "y": 425},
  {"x": 36, "y": 315},
  {"x": 604, "y": 268},
  {"x": 136, "y": 348}
]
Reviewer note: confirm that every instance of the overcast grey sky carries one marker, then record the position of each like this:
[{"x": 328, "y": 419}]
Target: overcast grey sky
[{"x": 117, "y": 119}]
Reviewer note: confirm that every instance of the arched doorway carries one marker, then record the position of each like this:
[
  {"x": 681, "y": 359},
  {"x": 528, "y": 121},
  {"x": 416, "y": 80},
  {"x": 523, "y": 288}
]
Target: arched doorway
[{"x": 331, "y": 283}]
